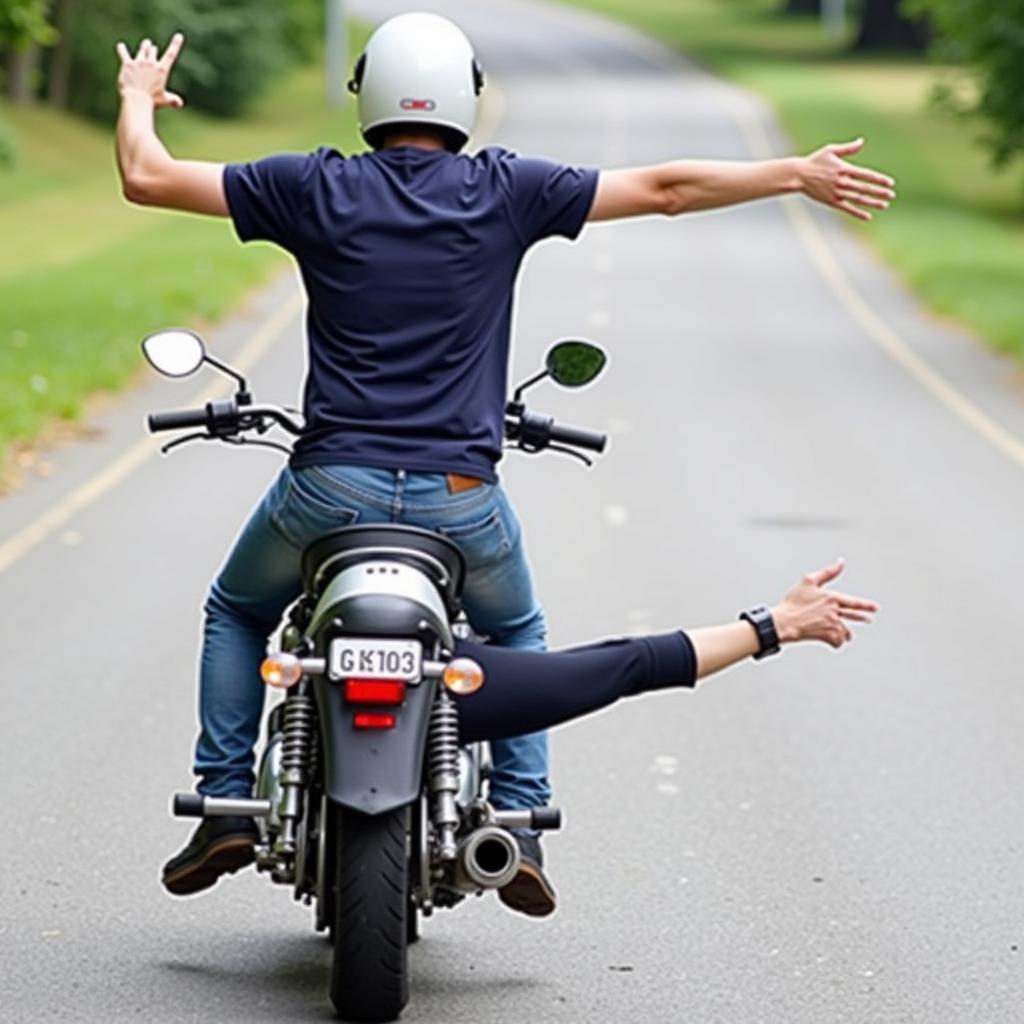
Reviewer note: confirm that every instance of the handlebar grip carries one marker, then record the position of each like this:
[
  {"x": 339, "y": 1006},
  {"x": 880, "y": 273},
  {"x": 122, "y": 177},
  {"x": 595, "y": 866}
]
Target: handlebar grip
[
  {"x": 177, "y": 419},
  {"x": 578, "y": 438}
]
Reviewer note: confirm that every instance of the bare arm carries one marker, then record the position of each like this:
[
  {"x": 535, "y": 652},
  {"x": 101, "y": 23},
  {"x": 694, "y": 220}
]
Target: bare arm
[
  {"x": 807, "y": 612},
  {"x": 149, "y": 174},
  {"x": 685, "y": 186}
]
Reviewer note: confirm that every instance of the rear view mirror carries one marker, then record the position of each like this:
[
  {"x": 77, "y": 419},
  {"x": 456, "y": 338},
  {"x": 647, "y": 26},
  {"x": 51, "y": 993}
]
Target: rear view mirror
[
  {"x": 174, "y": 353},
  {"x": 575, "y": 363}
]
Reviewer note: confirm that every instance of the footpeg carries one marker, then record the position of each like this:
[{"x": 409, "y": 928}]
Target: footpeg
[
  {"x": 195, "y": 805},
  {"x": 539, "y": 819}
]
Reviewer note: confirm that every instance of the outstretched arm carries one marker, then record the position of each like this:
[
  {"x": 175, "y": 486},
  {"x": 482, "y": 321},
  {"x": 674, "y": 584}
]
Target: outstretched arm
[
  {"x": 529, "y": 690},
  {"x": 149, "y": 174},
  {"x": 685, "y": 186}
]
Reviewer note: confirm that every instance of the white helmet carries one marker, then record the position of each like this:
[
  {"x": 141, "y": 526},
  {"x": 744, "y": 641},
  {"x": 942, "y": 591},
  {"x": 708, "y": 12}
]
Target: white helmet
[{"x": 418, "y": 69}]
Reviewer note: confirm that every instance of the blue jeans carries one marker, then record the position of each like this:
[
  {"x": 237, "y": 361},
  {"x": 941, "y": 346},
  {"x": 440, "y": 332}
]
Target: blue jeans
[{"x": 261, "y": 578}]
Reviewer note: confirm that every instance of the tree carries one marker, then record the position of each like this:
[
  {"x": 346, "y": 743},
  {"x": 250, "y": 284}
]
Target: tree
[
  {"x": 986, "y": 39},
  {"x": 234, "y": 48},
  {"x": 23, "y": 29},
  {"x": 802, "y": 7},
  {"x": 59, "y": 72},
  {"x": 885, "y": 26}
]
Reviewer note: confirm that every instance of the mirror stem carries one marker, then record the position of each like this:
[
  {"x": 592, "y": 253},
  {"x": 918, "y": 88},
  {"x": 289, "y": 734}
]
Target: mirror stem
[
  {"x": 529, "y": 384},
  {"x": 243, "y": 397}
]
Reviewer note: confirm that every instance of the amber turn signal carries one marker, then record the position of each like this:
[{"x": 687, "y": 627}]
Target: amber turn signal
[
  {"x": 281, "y": 670},
  {"x": 463, "y": 676}
]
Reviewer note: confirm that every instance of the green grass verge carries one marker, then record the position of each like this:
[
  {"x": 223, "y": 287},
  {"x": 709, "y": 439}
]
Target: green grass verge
[
  {"x": 956, "y": 233},
  {"x": 84, "y": 275}
]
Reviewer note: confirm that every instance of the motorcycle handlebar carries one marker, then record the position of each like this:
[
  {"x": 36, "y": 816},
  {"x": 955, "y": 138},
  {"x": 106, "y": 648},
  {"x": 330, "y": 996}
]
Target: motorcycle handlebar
[
  {"x": 534, "y": 432},
  {"x": 223, "y": 418}
]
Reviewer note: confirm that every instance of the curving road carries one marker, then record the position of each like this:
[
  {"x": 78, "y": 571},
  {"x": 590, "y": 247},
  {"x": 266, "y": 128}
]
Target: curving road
[{"x": 820, "y": 839}]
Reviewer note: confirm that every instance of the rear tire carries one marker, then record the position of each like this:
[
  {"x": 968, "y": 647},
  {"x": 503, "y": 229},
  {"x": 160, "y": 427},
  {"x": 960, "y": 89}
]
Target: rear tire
[
  {"x": 370, "y": 970},
  {"x": 412, "y": 923}
]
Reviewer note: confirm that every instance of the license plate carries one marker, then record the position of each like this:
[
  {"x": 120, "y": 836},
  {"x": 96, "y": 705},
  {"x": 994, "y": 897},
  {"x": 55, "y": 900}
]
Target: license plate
[{"x": 375, "y": 659}]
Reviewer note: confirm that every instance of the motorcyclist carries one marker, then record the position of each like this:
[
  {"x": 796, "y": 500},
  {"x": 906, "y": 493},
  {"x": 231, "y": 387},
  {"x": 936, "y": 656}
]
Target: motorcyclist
[{"x": 409, "y": 256}]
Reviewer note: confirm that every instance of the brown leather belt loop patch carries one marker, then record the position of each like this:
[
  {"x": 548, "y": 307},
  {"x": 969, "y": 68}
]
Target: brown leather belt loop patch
[{"x": 457, "y": 483}]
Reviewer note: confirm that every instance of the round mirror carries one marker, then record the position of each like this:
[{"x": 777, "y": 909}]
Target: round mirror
[
  {"x": 175, "y": 353},
  {"x": 575, "y": 363}
]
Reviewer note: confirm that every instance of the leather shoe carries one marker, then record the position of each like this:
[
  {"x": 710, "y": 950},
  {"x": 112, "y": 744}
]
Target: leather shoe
[
  {"x": 530, "y": 892},
  {"x": 218, "y": 846}
]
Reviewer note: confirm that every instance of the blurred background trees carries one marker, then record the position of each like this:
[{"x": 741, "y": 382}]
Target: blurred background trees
[
  {"x": 984, "y": 38},
  {"x": 881, "y": 24},
  {"x": 62, "y": 50},
  {"x": 888, "y": 25}
]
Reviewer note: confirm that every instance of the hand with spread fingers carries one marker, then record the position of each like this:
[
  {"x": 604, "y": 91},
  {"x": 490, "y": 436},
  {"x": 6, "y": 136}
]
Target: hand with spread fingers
[
  {"x": 828, "y": 178},
  {"x": 810, "y": 612},
  {"x": 147, "y": 72}
]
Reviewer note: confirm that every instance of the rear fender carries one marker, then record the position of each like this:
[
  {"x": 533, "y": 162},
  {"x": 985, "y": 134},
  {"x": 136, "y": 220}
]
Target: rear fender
[{"x": 374, "y": 770}]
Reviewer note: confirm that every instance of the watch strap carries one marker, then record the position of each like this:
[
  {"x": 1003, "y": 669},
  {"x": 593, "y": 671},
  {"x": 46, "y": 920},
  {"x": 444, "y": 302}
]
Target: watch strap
[{"x": 761, "y": 619}]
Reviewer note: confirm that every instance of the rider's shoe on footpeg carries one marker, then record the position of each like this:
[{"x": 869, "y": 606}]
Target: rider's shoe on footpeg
[
  {"x": 530, "y": 891},
  {"x": 218, "y": 846}
]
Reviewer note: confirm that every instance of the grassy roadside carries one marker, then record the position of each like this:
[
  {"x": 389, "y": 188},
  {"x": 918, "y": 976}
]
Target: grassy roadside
[
  {"x": 956, "y": 234},
  {"x": 88, "y": 275}
]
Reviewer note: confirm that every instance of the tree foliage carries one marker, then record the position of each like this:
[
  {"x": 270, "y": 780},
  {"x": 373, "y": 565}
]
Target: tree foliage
[
  {"x": 23, "y": 23},
  {"x": 234, "y": 48},
  {"x": 985, "y": 38}
]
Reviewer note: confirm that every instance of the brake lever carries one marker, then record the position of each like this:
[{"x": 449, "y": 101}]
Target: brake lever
[
  {"x": 550, "y": 447},
  {"x": 243, "y": 441},
  {"x": 571, "y": 451},
  {"x": 178, "y": 441}
]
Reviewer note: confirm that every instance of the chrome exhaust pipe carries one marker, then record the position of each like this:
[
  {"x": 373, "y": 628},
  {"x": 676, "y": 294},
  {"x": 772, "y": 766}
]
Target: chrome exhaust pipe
[{"x": 487, "y": 858}]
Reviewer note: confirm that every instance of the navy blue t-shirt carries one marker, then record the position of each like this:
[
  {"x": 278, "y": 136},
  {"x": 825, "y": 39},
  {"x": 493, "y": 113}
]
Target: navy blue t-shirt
[{"x": 409, "y": 258}]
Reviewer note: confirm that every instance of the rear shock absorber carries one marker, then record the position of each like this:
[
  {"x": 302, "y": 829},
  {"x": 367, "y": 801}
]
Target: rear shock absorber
[
  {"x": 297, "y": 734},
  {"x": 443, "y": 763}
]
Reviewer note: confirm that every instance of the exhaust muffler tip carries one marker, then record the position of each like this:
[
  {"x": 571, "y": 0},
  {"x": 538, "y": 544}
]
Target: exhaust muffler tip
[{"x": 487, "y": 858}]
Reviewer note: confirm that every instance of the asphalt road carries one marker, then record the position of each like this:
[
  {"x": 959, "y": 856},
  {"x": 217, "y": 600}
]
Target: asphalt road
[{"x": 819, "y": 839}]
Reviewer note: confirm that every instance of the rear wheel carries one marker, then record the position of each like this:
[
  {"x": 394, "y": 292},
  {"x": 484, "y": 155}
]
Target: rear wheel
[
  {"x": 412, "y": 923},
  {"x": 370, "y": 971}
]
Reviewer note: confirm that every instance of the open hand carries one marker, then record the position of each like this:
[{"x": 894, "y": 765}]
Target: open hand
[
  {"x": 147, "y": 73},
  {"x": 829, "y": 179},
  {"x": 810, "y": 612}
]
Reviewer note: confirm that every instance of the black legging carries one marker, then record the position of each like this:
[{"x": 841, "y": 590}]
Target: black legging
[{"x": 529, "y": 690}]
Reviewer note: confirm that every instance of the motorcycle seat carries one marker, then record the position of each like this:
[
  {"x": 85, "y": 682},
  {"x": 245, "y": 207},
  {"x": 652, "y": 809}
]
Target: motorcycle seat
[{"x": 429, "y": 552}]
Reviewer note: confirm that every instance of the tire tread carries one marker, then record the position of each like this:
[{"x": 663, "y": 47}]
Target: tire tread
[{"x": 369, "y": 975}]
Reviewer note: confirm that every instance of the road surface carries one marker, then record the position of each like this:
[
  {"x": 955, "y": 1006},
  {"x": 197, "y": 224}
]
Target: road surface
[{"x": 820, "y": 839}]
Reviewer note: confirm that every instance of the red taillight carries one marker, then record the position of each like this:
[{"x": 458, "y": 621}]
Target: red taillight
[
  {"x": 368, "y": 720},
  {"x": 374, "y": 691}
]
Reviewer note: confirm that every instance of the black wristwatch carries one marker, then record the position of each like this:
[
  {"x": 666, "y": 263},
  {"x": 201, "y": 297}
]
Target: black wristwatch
[{"x": 761, "y": 619}]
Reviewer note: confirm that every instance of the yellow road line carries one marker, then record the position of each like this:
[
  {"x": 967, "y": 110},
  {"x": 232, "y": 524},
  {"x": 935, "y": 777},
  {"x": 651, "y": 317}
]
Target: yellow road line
[
  {"x": 892, "y": 344},
  {"x": 108, "y": 478},
  {"x": 887, "y": 339},
  {"x": 831, "y": 270}
]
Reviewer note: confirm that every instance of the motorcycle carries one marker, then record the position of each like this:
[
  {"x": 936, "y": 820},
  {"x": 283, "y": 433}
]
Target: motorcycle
[{"x": 366, "y": 804}]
